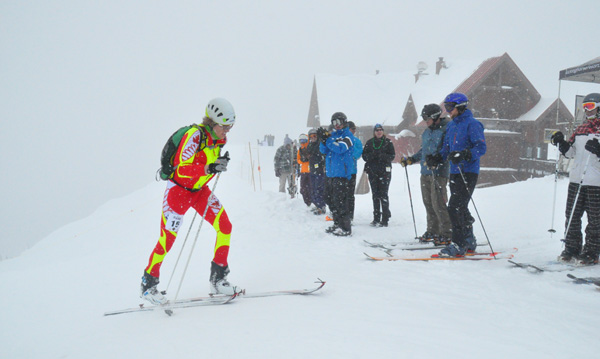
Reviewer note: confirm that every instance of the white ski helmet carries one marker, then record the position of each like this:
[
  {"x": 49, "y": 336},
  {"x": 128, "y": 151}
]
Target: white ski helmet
[
  {"x": 303, "y": 138},
  {"x": 220, "y": 111}
]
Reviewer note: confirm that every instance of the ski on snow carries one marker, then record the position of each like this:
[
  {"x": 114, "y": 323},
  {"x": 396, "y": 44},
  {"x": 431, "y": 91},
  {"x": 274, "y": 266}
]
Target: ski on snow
[
  {"x": 388, "y": 247},
  {"x": 469, "y": 257},
  {"x": 550, "y": 266},
  {"x": 586, "y": 280},
  {"x": 214, "y": 300},
  {"x": 180, "y": 303}
]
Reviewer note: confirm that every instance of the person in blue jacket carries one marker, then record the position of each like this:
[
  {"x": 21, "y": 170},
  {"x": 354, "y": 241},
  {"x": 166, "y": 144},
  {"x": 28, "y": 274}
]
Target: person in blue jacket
[
  {"x": 339, "y": 161},
  {"x": 464, "y": 145},
  {"x": 433, "y": 179}
]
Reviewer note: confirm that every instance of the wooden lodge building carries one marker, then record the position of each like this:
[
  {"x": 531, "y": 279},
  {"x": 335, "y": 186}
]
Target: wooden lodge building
[{"x": 518, "y": 121}]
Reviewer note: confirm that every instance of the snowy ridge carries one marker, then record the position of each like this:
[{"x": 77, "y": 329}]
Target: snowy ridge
[{"x": 56, "y": 293}]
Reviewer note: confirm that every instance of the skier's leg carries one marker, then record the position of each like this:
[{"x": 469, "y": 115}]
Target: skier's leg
[
  {"x": 217, "y": 217},
  {"x": 176, "y": 202}
]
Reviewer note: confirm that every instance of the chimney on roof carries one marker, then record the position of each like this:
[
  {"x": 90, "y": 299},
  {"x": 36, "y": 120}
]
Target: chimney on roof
[
  {"x": 439, "y": 65},
  {"x": 421, "y": 68}
]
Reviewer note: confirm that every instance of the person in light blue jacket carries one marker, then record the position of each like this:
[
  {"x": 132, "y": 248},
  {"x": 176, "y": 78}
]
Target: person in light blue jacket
[
  {"x": 464, "y": 145},
  {"x": 339, "y": 163},
  {"x": 433, "y": 179}
]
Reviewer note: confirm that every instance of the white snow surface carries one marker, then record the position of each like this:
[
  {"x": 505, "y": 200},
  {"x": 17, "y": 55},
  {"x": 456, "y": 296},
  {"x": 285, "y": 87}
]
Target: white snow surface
[{"x": 55, "y": 294}]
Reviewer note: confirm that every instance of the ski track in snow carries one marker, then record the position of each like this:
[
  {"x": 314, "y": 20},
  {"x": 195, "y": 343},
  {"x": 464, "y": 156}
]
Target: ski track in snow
[{"x": 56, "y": 292}]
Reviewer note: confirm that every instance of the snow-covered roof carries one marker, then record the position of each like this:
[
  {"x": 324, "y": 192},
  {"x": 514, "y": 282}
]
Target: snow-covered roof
[
  {"x": 538, "y": 109},
  {"x": 366, "y": 99},
  {"x": 381, "y": 98}
]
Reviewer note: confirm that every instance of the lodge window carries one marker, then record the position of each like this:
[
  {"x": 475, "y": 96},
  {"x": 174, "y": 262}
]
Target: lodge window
[{"x": 548, "y": 133}]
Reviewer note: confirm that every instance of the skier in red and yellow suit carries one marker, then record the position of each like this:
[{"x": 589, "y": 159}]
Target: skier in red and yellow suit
[{"x": 197, "y": 160}]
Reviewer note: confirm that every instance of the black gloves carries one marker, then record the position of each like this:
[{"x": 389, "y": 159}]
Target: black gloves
[
  {"x": 557, "y": 138},
  {"x": 322, "y": 134},
  {"x": 593, "y": 146},
  {"x": 406, "y": 161},
  {"x": 434, "y": 160},
  {"x": 458, "y": 156},
  {"x": 277, "y": 173},
  {"x": 220, "y": 164}
]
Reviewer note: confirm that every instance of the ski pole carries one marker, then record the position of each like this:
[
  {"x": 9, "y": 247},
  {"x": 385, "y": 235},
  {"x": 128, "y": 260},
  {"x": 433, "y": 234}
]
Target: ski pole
[
  {"x": 552, "y": 230},
  {"x": 411, "y": 202},
  {"x": 577, "y": 196},
  {"x": 476, "y": 211},
  {"x": 181, "y": 251},
  {"x": 212, "y": 193}
]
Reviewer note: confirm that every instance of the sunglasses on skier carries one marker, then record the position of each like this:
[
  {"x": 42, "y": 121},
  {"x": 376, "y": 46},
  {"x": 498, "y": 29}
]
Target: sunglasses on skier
[{"x": 590, "y": 106}]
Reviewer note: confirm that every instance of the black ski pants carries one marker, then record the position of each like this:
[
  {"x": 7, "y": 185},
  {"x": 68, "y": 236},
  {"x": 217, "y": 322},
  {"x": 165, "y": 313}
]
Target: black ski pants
[
  {"x": 340, "y": 202},
  {"x": 588, "y": 201},
  {"x": 380, "y": 185},
  {"x": 458, "y": 206}
]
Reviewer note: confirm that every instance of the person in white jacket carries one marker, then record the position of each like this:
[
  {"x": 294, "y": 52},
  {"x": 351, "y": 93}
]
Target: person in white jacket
[{"x": 584, "y": 186}]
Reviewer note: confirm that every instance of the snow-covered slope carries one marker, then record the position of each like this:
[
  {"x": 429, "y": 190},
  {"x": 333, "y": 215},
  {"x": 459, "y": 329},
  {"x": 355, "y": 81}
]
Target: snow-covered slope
[{"x": 56, "y": 293}]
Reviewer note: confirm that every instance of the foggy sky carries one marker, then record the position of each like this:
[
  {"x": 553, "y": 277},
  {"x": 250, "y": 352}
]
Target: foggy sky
[{"x": 90, "y": 91}]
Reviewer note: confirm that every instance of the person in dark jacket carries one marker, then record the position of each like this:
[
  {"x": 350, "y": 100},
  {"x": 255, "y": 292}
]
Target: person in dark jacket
[
  {"x": 284, "y": 163},
  {"x": 464, "y": 145},
  {"x": 316, "y": 163},
  {"x": 338, "y": 149},
  {"x": 433, "y": 179},
  {"x": 378, "y": 154}
]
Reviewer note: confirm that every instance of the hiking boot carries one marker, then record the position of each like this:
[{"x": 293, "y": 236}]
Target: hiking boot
[
  {"x": 453, "y": 250},
  {"x": 441, "y": 241},
  {"x": 427, "y": 237},
  {"x": 383, "y": 224},
  {"x": 471, "y": 243},
  {"x": 218, "y": 280},
  {"x": 332, "y": 228},
  {"x": 375, "y": 223},
  {"x": 341, "y": 233},
  {"x": 588, "y": 259},
  {"x": 319, "y": 211},
  {"x": 149, "y": 291},
  {"x": 567, "y": 256}
]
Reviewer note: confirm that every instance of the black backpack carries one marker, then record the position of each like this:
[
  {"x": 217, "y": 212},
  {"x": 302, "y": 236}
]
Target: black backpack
[{"x": 167, "y": 169}]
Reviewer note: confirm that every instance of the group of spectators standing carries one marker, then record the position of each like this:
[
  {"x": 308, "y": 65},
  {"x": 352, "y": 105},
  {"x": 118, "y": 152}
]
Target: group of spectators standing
[
  {"x": 327, "y": 165},
  {"x": 450, "y": 153}
]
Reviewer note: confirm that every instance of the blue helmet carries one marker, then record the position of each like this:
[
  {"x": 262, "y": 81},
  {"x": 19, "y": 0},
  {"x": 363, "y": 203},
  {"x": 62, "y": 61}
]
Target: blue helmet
[{"x": 458, "y": 99}]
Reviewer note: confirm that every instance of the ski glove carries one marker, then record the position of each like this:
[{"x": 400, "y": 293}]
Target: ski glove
[
  {"x": 277, "y": 173},
  {"x": 322, "y": 134},
  {"x": 458, "y": 156},
  {"x": 557, "y": 138},
  {"x": 434, "y": 160},
  {"x": 593, "y": 146},
  {"x": 406, "y": 161},
  {"x": 220, "y": 164}
]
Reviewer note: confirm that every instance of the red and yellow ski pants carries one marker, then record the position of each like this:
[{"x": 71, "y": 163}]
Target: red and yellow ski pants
[{"x": 176, "y": 203}]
